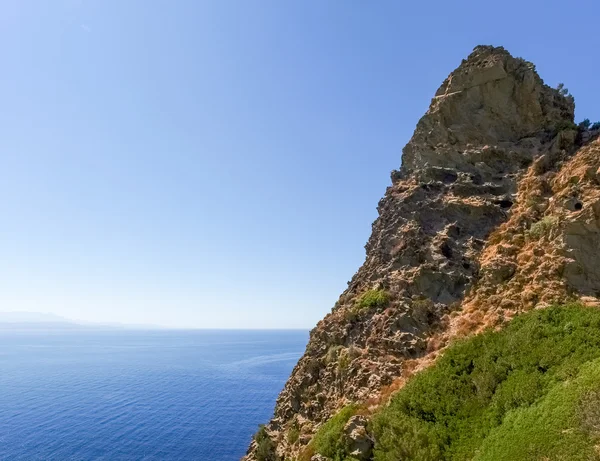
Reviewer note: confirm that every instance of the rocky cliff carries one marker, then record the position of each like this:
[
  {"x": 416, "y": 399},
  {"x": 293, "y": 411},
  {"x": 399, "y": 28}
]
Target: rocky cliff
[{"x": 495, "y": 210}]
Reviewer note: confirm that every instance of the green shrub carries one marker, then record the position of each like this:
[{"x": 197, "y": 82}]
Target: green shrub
[
  {"x": 585, "y": 125},
  {"x": 343, "y": 362},
  {"x": 368, "y": 300},
  {"x": 562, "y": 90},
  {"x": 265, "y": 449},
  {"x": 373, "y": 299},
  {"x": 508, "y": 395},
  {"x": 552, "y": 428},
  {"x": 332, "y": 354},
  {"x": 566, "y": 125},
  {"x": 542, "y": 227},
  {"x": 293, "y": 434},
  {"x": 328, "y": 441}
]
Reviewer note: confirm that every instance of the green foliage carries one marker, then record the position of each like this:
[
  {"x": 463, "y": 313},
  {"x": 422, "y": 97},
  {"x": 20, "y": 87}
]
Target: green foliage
[
  {"x": 328, "y": 440},
  {"x": 293, "y": 434},
  {"x": 342, "y": 356},
  {"x": 565, "y": 92},
  {"x": 553, "y": 428},
  {"x": 562, "y": 90},
  {"x": 372, "y": 299},
  {"x": 542, "y": 227},
  {"x": 588, "y": 125},
  {"x": 585, "y": 125},
  {"x": 368, "y": 300},
  {"x": 343, "y": 362},
  {"x": 265, "y": 449},
  {"x": 566, "y": 125},
  {"x": 332, "y": 354},
  {"x": 508, "y": 395}
]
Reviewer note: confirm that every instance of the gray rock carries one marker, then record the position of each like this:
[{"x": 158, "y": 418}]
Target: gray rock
[{"x": 360, "y": 445}]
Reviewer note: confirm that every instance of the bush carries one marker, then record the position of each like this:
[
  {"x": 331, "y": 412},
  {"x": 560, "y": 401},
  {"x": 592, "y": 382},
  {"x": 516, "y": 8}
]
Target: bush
[
  {"x": 585, "y": 125},
  {"x": 550, "y": 429},
  {"x": 514, "y": 394},
  {"x": 372, "y": 299},
  {"x": 328, "y": 441},
  {"x": 368, "y": 300},
  {"x": 566, "y": 125},
  {"x": 542, "y": 227},
  {"x": 265, "y": 449},
  {"x": 332, "y": 354},
  {"x": 293, "y": 435},
  {"x": 343, "y": 361},
  {"x": 562, "y": 90}
]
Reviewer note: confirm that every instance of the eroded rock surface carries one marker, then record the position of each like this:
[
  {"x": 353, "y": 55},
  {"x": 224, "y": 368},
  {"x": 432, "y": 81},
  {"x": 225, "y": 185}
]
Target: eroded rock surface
[{"x": 492, "y": 156}]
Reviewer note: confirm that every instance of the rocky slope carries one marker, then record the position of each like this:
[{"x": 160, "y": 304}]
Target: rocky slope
[{"x": 495, "y": 210}]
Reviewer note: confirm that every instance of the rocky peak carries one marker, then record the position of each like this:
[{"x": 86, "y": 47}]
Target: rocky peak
[
  {"x": 491, "y": 126},
  {"x": 490, "y": 99}
]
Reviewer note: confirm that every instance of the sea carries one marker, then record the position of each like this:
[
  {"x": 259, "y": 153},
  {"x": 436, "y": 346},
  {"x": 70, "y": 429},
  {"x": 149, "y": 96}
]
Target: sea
[{"x": 139, "y": 395}]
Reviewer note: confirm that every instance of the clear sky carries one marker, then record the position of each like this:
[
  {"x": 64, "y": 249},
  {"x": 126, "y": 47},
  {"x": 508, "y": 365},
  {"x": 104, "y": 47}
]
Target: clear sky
[{"x": 218, "y": 163}]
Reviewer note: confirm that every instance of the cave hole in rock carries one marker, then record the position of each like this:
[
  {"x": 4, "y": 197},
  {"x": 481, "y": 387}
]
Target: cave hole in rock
[
  {"x": 504, "y": 203},
  {"x": 446, "y": 250},
  {"x": 466, "y": 265},
  {"x": 449, "y": 177},
  {"x": 573, "y": 204},
  {"x": 476, "y": 179}
]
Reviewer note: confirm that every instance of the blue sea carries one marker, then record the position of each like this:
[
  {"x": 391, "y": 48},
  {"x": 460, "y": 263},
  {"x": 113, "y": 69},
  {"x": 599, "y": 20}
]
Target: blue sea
[{"x": 139, "y": 395}]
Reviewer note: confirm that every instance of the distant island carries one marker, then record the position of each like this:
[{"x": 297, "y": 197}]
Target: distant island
[{"x": 50, "y": 321}]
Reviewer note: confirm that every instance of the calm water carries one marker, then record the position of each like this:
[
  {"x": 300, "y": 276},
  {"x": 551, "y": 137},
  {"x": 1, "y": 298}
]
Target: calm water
[{"x": 139, "y": 395}]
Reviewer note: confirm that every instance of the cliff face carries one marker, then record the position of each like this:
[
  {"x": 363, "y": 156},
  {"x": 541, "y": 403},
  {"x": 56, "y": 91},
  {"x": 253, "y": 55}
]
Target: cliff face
[{"x": 493, "y": 211}]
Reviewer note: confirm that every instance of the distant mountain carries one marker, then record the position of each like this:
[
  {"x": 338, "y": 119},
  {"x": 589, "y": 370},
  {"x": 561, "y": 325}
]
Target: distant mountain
[
  {"x": 32, "y": 317},
  {"x": 36, "y": 321},
  {"x": 49, "y": 321}
]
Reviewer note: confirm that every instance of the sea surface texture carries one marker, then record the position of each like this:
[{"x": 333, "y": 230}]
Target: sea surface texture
[{"x": 139, "y": 395}]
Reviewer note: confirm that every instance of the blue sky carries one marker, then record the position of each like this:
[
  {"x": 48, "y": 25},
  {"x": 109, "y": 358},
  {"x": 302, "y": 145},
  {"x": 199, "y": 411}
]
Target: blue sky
[{"x": 218, "y": 163}]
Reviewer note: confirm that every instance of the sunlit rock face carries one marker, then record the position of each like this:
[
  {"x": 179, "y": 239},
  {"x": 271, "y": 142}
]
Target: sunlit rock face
[{"x": 495, "y": 209}]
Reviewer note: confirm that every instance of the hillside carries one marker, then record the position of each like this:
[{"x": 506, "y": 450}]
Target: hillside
[
  {"x": 491, "y": 398},
  {"x": 495, "y": 211}
]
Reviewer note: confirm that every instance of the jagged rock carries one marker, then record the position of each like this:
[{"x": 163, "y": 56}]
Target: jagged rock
[
  {"x": 452, "y": 246},
  {"x": 357, "y": 438}
]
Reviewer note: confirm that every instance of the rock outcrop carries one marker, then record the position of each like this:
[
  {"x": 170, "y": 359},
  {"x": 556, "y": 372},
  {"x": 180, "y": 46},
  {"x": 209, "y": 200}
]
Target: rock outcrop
[{"x": 493, "y": 211}]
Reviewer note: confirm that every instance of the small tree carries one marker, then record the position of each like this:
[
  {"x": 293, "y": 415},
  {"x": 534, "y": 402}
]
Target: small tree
[
  {"x": 562, "y": 90},
  {"x": 595, "y": 126},
  {"x": 585, "y": 125}
]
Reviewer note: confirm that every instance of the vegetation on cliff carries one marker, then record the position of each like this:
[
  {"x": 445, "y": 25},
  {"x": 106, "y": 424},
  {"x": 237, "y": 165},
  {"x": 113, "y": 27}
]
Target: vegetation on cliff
[
  {"x": 495, "y": 211},
  {"x": 528, "y": 392}
]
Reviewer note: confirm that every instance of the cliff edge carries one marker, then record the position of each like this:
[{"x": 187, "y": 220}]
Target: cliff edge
[{"x": 494, "y": 211}]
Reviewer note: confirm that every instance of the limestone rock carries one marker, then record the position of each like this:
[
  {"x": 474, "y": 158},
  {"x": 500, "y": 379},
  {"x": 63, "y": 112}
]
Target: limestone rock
[{"x": 357, "y": 438}]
